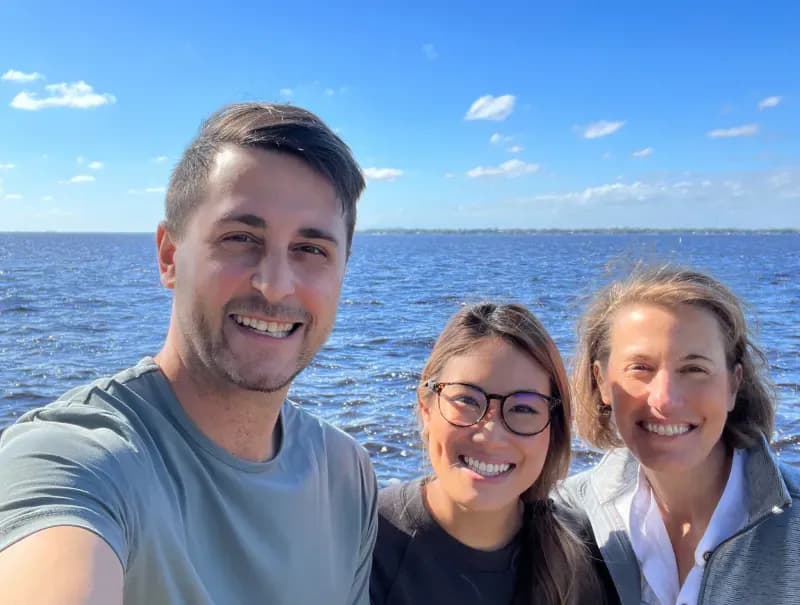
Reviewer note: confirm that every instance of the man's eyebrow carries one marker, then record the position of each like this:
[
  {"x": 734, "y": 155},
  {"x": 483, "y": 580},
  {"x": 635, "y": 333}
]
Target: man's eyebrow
[
  {"x": 248, "y": 219},
  {"x": 316, "y": 233},
  {"x": 693, "y": 356}
]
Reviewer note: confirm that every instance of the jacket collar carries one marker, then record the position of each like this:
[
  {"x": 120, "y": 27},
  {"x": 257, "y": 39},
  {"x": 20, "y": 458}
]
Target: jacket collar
[{"x": 768, "y": 491}]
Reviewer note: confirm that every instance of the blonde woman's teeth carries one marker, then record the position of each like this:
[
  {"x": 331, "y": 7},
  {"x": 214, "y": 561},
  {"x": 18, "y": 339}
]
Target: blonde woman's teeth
[{"x": 668, "y": 430}]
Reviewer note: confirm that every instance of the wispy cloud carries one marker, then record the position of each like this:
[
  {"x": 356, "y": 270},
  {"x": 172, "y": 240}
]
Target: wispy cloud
[
  {"x": 746, "y": 130},
  {"x": 286, "y": 92},
  {"x": 78, "y": 179},
  {"x": 769, "y": 102},
  {"x": 643, "y": 153},
  {"x": 382, "y": 174},
  {"x": 160, "y": 159},
  {"x": 147, "y": 190},
  {"x": 329, "y": 92},
  {"x": 78, "y": 95},
  {"x": 13, "y": 196},
  {"x": 47, "y": 198},
  {"x": 511, "y": 169},
  {"x": 602, "y": 128},
  {"x": 499, "y": 139},
  {"x": 7, "y": 166},
  {"x": 515, "y": 149},
  {"x": 430, "y": 52},
  {"x": 12, "y": 75},
  {"x": 488, "y": 107},
  {"x": 95, "y": 165}
]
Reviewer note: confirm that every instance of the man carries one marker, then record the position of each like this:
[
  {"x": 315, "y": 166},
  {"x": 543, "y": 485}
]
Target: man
[{"x": 190, "y": 478}]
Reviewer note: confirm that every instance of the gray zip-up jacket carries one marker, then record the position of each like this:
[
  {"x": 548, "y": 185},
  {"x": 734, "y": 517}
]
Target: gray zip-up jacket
[{"x": 759, "y": 565}]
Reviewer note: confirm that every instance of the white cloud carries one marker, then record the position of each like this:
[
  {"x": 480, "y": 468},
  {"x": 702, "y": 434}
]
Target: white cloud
[
  {"x": 286, "y": 92},
  {"x": 95, "y": 165},
  {"x": 77, "y": 95},
  {"x": 488, "y": 107},
  {"x": 47, "y": 198},
  {"x": 13, "y": 196},
  {"x": 449, "y": 175},
  {"x": 7, "y": 166},
  {"x": 643, "y": 153},
  {"x": 12, "y": 75},
  {"x": 769, "y": 102},
  {"x": 746, "y": 130},
  {"x": 511, "y": 169},
  {"x": 329, "y": 92},
  {"x": 602, "y": 129},
  {"x": 146, "y": 190},
  {"x": 499, "y": 139},
  {"x": 382, "y": 174},
  {"x": 160, "y": 159},
  {"x": 430, "y": 52},
  {"x": 81, "y": 178},
  {"x": 515, "y": 149}
]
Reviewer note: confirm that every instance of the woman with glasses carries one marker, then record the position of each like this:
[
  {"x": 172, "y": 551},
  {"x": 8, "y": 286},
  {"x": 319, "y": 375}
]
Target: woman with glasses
[
  {"x": 690, "y": 506},
  {"x": 494, "y": 406}
]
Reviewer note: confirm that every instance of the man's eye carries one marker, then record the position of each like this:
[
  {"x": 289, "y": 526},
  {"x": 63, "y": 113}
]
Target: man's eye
[
  {"x": 312, "y": 249},
  {"x": 240, "y": 238}
]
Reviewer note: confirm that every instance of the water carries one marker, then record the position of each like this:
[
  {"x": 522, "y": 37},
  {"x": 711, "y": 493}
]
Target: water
[{"x": 77, "y": 306}]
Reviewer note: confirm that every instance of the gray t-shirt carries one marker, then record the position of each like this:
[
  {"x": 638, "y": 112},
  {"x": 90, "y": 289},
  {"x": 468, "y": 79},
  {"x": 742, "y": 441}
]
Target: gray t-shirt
[{"x": 189, "y": 522}]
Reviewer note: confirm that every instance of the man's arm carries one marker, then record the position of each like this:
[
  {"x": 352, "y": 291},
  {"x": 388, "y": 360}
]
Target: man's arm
[{"x": 61, "y": 566}]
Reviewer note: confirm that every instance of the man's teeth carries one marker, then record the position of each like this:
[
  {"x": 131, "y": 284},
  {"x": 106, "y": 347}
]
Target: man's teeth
[
  {"x": 273, "y": 328},
  {"x": 487, "y": 470},
  {"x": 668, "y": 430}
]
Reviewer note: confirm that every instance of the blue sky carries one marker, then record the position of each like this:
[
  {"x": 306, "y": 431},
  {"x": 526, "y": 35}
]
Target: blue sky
[{"x": 469, "y": 115}]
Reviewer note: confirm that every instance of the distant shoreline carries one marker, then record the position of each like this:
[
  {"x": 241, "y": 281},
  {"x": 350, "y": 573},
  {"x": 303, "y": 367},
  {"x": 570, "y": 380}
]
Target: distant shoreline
[{"x": 693, "y": 231}]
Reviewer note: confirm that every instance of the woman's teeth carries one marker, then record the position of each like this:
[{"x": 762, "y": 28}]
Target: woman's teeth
[
  {"x": 668, "y": 430},
  {"x": 272, "y": 328},
  {"x": 486, "y": 469}
]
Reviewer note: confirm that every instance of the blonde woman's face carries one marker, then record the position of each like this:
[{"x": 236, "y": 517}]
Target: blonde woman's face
[
  {"x": 668, "y": 385},
  {"x": 485, "y": 467}
]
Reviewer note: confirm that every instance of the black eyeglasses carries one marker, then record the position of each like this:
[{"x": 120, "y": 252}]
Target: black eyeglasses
[{"x": 523, "y": 413}]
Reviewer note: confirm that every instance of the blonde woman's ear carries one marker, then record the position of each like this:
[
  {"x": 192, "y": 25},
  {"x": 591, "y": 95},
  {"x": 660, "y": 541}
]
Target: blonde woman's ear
[{"x": 602, "y": 384}]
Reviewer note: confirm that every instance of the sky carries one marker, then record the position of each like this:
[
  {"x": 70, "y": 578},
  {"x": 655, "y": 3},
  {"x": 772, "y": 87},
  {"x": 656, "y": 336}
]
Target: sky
[{"x": 467, "y": 115}]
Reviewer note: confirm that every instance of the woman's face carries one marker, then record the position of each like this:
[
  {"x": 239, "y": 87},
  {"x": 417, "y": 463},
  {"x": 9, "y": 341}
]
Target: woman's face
[
  {"x": 485, "y": 467},
  {"x": 668, "y": 385}
]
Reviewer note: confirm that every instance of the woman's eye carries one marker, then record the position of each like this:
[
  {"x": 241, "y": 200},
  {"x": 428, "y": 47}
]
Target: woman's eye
[
  {"x": 523, "y": 409},
  {"x": 465, "y": 401}
]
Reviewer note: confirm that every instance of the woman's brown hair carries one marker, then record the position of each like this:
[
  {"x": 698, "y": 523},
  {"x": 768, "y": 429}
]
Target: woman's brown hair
[{"x": 554, "y": 565}]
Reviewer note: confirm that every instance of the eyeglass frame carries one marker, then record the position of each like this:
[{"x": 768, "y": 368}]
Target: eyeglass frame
[{"x": 552, "y": 403}]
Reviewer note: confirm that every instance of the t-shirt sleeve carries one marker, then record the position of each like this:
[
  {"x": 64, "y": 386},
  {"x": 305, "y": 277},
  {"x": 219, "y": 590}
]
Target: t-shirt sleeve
[
  {"x": 369, "y": 532},
  {"x": 74, "y": 473}
]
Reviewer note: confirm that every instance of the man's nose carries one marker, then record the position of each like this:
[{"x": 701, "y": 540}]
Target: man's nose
[{"x": 273, "y": 276}]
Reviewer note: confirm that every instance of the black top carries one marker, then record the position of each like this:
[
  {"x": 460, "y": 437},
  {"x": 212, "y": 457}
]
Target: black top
[{"x": 416, "y": 561}]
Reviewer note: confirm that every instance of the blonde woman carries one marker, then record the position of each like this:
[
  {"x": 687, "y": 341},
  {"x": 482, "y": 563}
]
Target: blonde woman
[
  {"x": 690, "y": 505},
  {"x": 495, "y": 410}
]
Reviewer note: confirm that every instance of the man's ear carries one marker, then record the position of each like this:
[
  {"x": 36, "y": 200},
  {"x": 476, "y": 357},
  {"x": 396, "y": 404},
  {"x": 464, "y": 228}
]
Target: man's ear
[
  {"x": 602, "y": 383},
  {"x": 165, "y": 248}
]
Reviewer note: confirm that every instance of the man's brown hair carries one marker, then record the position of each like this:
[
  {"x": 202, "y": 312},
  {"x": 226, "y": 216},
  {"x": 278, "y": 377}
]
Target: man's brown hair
[{"x": 271, "y": 127}]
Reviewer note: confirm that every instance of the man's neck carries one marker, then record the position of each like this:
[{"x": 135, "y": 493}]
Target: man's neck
[{"x": 242, "y": 422}]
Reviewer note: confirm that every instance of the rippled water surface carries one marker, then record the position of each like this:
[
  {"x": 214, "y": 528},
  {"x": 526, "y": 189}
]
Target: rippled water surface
[{"x": 77, "y": 306}]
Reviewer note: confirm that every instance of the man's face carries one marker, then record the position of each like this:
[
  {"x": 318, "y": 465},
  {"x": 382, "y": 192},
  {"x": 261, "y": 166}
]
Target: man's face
[{"x": 257, "y": 271}]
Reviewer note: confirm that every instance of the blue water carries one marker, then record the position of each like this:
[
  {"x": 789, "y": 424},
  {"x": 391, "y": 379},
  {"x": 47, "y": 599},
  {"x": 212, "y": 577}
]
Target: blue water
[{"x": 77, "y": 306}]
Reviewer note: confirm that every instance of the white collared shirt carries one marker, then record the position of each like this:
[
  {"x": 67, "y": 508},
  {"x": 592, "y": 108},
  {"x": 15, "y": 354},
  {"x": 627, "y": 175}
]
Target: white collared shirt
[{"x": 652, "y": 546}]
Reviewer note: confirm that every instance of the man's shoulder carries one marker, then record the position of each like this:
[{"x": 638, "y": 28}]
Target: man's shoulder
[
  {"x": 306, "y": 427},
  {"x": 94, "y": 413}
]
